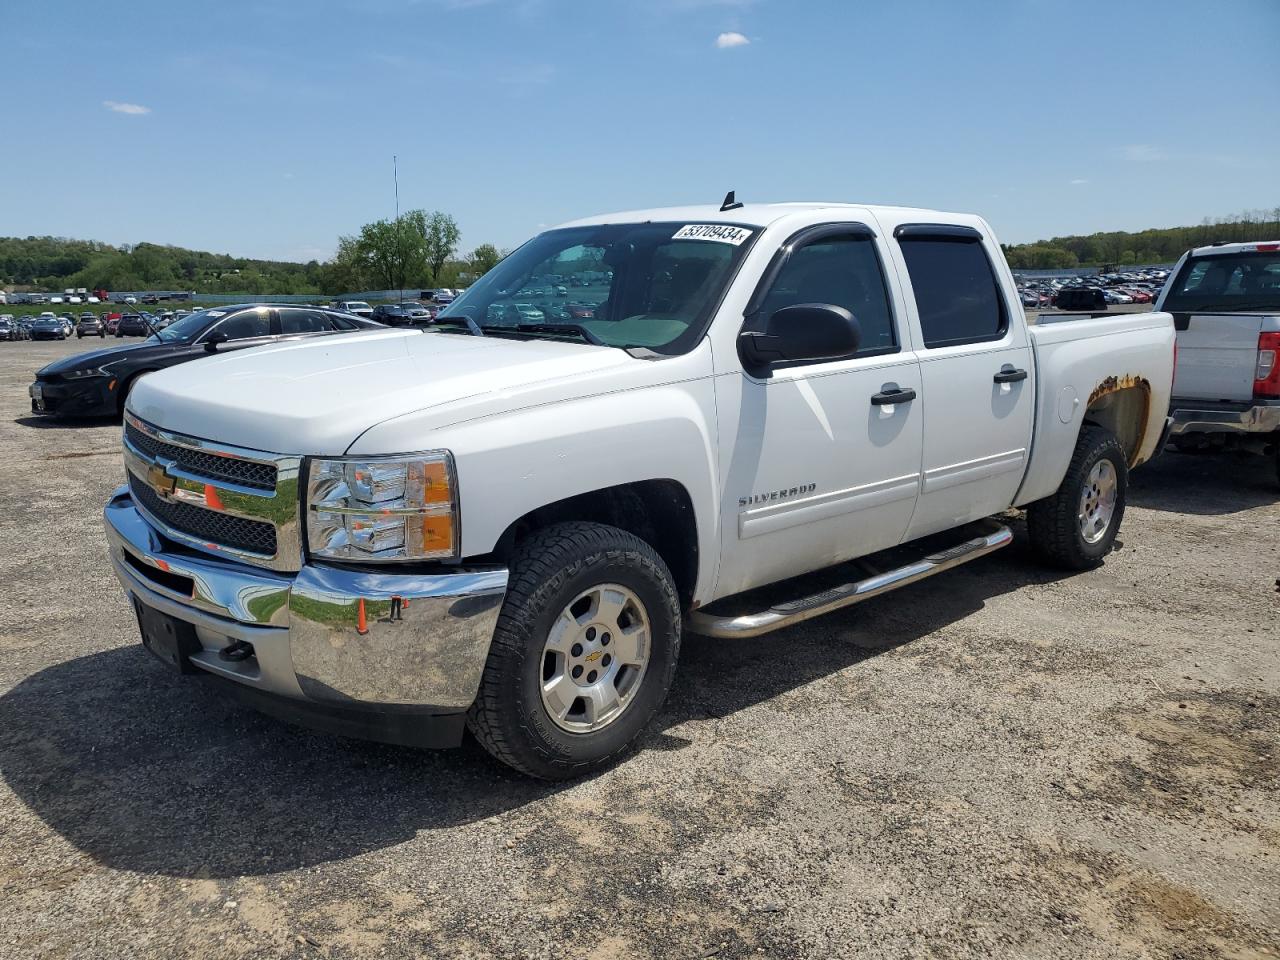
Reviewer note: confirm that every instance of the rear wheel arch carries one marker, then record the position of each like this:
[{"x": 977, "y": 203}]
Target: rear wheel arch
[
  {"x": 1121, "y": 406},
  {"x": 659, "y": 512}
]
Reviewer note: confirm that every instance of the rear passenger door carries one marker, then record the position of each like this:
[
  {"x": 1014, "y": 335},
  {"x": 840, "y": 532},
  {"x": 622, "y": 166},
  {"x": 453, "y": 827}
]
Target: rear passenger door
[
  {"x": 303, "y": 322},
  {"x": 976, "y": 371}
]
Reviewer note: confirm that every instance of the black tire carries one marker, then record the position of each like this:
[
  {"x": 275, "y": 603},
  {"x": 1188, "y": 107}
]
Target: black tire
[
  {"x": 1053, "y": 522},
  {"x": 547, "y": 572}
]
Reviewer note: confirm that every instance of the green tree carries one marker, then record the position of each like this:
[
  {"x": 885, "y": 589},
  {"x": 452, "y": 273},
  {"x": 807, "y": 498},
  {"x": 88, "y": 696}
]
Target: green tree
[
  {"x": 483, "y": 259},
  {"x": 440, "y": 238},
  {"x": 392, "y": 253}
]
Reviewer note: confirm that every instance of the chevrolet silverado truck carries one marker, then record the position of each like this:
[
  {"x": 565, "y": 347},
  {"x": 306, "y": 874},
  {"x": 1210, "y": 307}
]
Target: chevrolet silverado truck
[
  {"x": 1225, "y": 301},
  {"x": 505, "y": 521}
]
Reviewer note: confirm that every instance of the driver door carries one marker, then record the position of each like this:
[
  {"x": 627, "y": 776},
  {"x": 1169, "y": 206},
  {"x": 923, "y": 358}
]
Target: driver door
[{"x": 822, "y": 468}]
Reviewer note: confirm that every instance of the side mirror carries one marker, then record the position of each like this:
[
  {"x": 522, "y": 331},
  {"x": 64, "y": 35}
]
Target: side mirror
[
  {"x": 212, "y": 341},
  {"x": 804, "y": 331}
]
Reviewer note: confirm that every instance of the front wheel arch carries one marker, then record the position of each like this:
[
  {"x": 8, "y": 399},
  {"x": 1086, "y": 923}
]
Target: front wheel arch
[{"x": 123, "y": 387}]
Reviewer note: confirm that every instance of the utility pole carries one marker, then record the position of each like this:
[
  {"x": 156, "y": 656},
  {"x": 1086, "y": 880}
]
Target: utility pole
[{"x": 395, "y": 173}]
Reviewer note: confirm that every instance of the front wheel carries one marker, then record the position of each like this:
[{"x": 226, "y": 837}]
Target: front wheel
[
  {"x": 583, "y": 654},
  {"x": 1076, "y": 527}
]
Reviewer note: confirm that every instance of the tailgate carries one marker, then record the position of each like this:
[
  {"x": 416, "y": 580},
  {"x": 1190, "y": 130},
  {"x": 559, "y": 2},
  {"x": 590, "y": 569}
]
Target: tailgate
[{"x": 1217, "y": 355}]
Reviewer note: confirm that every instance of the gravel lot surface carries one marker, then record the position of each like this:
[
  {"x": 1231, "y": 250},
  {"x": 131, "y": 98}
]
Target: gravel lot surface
[{"x": 999, "y": 762}]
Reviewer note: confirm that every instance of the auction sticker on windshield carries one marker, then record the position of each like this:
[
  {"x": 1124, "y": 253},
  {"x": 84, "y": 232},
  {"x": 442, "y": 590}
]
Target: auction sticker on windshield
[{"x": 719, "y": 232}]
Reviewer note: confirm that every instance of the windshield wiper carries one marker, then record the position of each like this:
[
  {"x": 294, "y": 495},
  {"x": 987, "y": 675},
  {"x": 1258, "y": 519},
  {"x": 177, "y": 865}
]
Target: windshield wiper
[
  {"x": 574, "y": 328},
  {"x": 462, "y": 320}
]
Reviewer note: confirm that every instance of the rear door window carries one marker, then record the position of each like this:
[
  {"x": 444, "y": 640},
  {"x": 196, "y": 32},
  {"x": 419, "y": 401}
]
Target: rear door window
[
  {"x": 956, "y": 293},
  {"x": 296, "y": 321},
  {"x": 245, "y": 325}
]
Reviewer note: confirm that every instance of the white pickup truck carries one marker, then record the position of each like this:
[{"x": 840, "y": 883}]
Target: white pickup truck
[
  {"x": 1225, "y": 301},
  {"x": 504, "y": 520}
]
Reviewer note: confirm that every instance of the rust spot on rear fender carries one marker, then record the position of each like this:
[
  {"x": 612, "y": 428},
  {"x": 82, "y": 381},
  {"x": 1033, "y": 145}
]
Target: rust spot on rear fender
[{"x": 1127, "y": 381}]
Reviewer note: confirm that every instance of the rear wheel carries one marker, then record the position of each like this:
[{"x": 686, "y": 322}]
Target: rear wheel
[
  {"x": 583, "y": 654},
  {"x": 1076, "y": 527}
]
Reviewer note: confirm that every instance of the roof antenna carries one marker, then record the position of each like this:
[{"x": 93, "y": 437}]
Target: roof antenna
[{"x": 729, "y": 203}]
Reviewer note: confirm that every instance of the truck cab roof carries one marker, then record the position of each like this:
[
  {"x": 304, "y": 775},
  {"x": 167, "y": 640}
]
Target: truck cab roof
[
  {"x": 1225, "y": 249},
  {"x": 765, "y": 214}
]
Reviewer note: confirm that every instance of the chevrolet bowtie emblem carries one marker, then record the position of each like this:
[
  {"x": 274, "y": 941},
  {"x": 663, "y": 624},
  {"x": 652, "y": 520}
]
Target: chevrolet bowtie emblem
[{"x": 158, "y": 479}]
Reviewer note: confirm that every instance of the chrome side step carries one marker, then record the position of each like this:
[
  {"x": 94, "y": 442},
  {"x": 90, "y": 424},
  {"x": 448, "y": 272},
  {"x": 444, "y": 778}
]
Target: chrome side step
[{"x": 805, "y": 608}]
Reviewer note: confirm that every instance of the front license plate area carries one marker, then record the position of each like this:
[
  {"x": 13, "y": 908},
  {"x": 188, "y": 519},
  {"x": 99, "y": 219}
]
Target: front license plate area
[{"x": 172, "y": 641}]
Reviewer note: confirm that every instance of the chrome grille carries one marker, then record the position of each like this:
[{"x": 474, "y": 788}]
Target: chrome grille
[
  {"x": 224, "y": 500},
  {"x": 218, "y": 528},
  {"x": 260, "y": 476}
]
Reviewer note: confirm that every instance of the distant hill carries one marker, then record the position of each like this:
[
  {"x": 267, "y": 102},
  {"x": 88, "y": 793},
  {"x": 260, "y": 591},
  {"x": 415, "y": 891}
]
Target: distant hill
[
  {"x": 1161, "y": 245},
  {"x": 55, "y": 263}
]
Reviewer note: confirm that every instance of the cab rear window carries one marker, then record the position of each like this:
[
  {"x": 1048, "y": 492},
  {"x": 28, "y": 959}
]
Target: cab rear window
[{"x": 1229, "y": 283}]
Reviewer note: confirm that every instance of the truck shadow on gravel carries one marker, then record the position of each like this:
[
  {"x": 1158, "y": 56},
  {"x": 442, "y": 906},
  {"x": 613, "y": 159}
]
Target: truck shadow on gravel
[
  {"x": 65, "y": 423},
  {"x": 1205, "y": 484},
  {"x": 147, "y": 773}
]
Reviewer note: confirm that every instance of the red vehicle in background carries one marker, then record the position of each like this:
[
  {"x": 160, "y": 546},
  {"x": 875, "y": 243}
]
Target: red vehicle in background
[
  {"x": 112, "y": 320},
  {"x": 102, "y": 295}
]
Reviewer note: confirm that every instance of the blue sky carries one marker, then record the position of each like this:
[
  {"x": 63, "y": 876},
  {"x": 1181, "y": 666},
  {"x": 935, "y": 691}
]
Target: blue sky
[{"x": 267, "y": 128}]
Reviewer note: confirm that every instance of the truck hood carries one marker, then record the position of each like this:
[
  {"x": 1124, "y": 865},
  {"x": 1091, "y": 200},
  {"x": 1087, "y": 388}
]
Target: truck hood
[{"x": 317, "y": 396}]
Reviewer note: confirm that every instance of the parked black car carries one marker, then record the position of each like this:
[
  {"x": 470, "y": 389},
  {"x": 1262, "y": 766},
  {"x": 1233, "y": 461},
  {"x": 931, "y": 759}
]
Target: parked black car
[
  {"x": 48, "y": 328},
  {"x": 97, "y": 383},
  {"x": 132, "y": 325},
  {"x": 400, "y": 314},
  {"x": 1088, "y": 299}
]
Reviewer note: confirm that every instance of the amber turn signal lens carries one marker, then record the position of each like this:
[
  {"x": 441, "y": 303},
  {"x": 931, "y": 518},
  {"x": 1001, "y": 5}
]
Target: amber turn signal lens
[
  {"x": 437, "y": 534},
  {"x": 435, "y": 482}
]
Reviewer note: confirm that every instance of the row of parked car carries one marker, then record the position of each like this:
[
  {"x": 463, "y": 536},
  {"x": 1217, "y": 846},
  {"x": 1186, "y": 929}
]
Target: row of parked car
[
  {"x": 1136, "y": 286},
  {"x": 98, "y": 296},
  {"x": 52, "y": 326}
]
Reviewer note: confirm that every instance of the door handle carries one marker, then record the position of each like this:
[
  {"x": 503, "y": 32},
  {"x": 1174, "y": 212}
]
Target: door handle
[
  {"x": 1010, "y": 376},
  {"x": 904, "y": 395}
]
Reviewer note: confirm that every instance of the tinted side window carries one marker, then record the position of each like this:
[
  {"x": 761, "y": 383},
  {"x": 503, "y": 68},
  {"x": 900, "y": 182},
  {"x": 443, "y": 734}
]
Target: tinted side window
[
  {"x": 845, "y": 271},
  {"x": 956, "y": 292},
  {"x": 304, "y": 321},
  {"x": 250, "y": 323}
]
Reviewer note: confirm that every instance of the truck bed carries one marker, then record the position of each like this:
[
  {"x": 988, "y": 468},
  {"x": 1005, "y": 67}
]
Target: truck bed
[{"x": 1080, "y": 358}]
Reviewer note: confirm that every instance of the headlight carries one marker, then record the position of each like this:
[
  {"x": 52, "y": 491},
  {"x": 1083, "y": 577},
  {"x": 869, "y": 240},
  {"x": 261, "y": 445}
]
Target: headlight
[
  {"x": 379, "y": 509},
  {"x": 83, "y": 374}
]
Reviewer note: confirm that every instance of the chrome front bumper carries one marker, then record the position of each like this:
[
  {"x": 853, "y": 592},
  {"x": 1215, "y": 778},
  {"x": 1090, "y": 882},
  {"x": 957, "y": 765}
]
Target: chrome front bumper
[
  {"x": 1208, "y": 417},
  {"x": 374, "y": 639}
]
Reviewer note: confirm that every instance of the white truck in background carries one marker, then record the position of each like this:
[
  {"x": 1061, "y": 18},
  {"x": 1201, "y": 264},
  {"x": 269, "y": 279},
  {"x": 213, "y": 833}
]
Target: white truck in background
[
  {"x": 1225, "y": 302},
  {"x": 505, "y": 524}
]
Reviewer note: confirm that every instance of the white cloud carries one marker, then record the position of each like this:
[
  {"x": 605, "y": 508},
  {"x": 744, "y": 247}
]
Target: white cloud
[
  {"x": 134, "y": 109},
  {"x": 731, "y": 39},
  {"x": 1077, "y": 181},
  {"x": 1142, "y": 153}
]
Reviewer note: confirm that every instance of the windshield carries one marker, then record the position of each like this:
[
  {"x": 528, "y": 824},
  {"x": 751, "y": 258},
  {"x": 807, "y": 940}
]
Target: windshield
[
  {"x": 1226, "y": 283},
  {"x": 650, "y": 285},
  {"x": 186, "y": 327}
]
